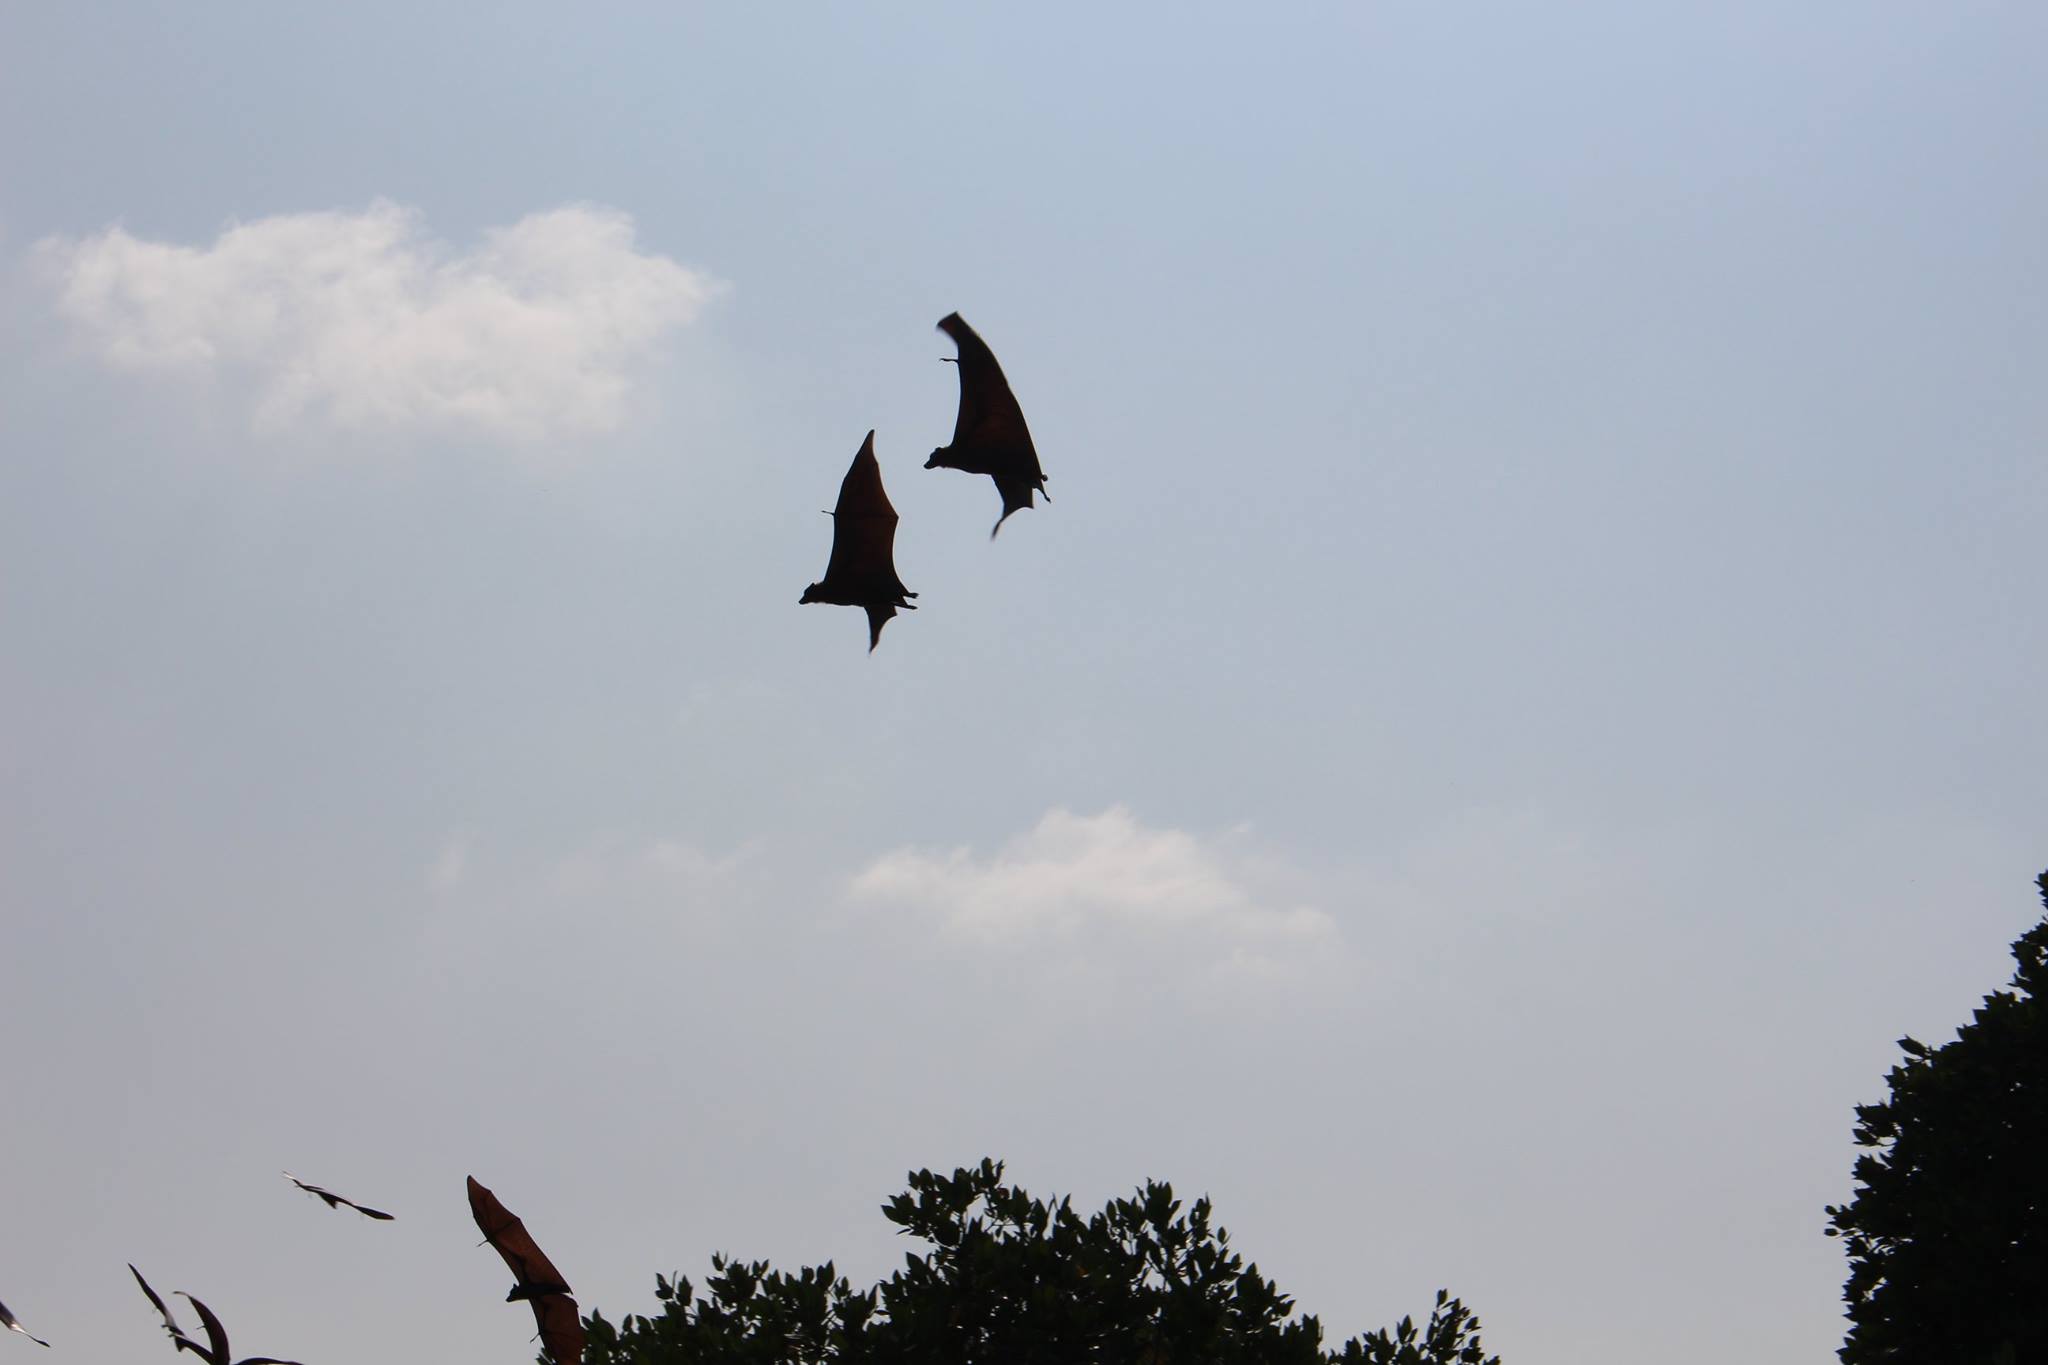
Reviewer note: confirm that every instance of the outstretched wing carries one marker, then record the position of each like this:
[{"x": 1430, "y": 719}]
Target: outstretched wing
[
  {"x": 863, "y": 563},
  {"x": 531, "y": 1268},
  {"x": 989, "y": 416},
  {"x": 561, "y": 1328},
  {"x": 178, "y": 1338},
  {"x": 335, "y": 1201},
  {"x": 7, "y": 1321},
  {"x": 216, "y": 1335}
]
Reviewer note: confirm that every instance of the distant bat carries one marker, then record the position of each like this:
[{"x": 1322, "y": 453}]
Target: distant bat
[
  {"x": 178, "y": 1338},
  {"x": 534, "y": 1276},
  {"x": 334, "y": 1200},
  {"x": 7, "y": 1321},
  {"x": 989, "y": 436},
  {"x": 862, "y": 570},
  {"x": 215, "y": 1352}
]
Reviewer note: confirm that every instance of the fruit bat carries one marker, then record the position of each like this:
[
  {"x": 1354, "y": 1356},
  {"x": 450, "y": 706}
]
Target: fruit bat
[
  {"x": 989, "y": 436},
  {"x": 7, "y": 1321},
  {"x": 534, "y": 1276},
  {"x": 336, "y": 1201},
  {"x": 178, "y": 1338},
  {"x": 862, "y": 570},
  {"x": 215, "y": 1352}
]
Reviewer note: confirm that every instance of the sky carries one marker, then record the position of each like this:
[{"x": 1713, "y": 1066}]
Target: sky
[{"x": 1527, "y": 684}]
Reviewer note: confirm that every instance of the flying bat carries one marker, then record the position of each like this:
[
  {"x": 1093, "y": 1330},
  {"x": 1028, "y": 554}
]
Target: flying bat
[
  {"x": 336, "y": 1201},
  {"x": 989, "y": 436},
  {"x": 178, "y": 1338},
  {"x": 215, "y": 1352},
  {"x": 7, "y": 1321},
  {"x": 862, "y": 570},
  {"x": 534, "y": 1276}
]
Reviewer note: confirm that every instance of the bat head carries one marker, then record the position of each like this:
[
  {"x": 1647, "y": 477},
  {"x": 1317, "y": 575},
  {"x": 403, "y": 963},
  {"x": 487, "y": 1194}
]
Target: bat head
[
  {"x": 938, "y": 459},
  {"x": 810, "y": 595}
]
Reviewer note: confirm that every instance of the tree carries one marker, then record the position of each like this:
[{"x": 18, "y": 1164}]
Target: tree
[
  {"x": 1948, "y": 1233},
  {"x": 1012, "y": 1280}
]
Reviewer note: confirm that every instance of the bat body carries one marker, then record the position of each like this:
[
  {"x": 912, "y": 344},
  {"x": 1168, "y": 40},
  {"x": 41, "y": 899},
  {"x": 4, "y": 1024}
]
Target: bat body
[
  {"x": 336, "y": 1201},
  {"x": 535, "y": 1278},
  {"x": 989, "y": 436},
  {"x": 862, "y": 570},
  {"x": 7, "y": 1321},
  {"x": 216, "y": 1352},
  {"x": 178, "y": 1338}
]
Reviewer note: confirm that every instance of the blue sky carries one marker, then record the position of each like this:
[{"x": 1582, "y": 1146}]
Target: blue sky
[{"x": 1527, "y": 684}]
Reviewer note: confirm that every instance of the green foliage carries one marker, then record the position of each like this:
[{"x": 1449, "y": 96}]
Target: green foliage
[
  {"x": 1948, "y": 1233},
  {"x": 1012, "y": 1280}
]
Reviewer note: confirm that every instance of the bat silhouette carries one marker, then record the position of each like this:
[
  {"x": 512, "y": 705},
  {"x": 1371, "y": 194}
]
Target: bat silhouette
[
  {"x": 534, "y": 1276},
  {"x": 336, "y": 1201},
  {"x": 862, "y": 570},
  {"x": 178, "y": 1338},
  {"x": 215, "y": 1352},
  {"x": 7, "y": 1321},
  {"x": 989, "y": 436}
]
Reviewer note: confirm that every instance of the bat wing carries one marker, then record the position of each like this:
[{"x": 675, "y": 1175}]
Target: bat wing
[
  {"x": 7, "y": 1321},
  {"x": 561, "y": 1328},
  {"x": 178, "y": 1338},
  {"x": 864, "y": 531},
  {"x": 531, "y": 1268},
  {"x": 989, "y": 417},
  {"x": 336, "y": 1201},
  {"x": 216, "y": 1335},
  {"x": 327, "y": 1197}
]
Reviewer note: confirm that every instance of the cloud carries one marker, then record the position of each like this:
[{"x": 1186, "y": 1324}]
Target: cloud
[
  {"x": 365, "y": 322},
  {"x": 1078, "y": 877},
  {"x": 449, "y": 865}
]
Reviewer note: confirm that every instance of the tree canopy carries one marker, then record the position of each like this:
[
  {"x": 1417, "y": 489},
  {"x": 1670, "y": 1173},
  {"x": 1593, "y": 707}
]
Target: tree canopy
[
  {"x": 1948, "y": 1231},
  {"x": 1013, "y": 1280}
]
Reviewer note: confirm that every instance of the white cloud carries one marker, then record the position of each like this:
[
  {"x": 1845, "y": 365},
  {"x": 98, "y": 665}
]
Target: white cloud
[
  {"x": 363, "y": 321},
  {"x": 449, "y": 866},
  {"x": 1082, "y": 877}
]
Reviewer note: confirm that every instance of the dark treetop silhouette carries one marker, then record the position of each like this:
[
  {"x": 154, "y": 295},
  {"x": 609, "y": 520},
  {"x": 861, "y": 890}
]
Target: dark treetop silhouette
[
  {"x": 1013, "y": 1280},
  {"x": 7, "y": 1321},
  {"x": 178, "y": 1338},
  {"x": 215, "y": 1352},
  {"x": 1948, "y": 1233},
  {"x": 335, "y": 1201},
  {"x": 989, "y": 436},
  {"x": 535, "y": 1278},
  {"x": 862, "y": 570}
]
